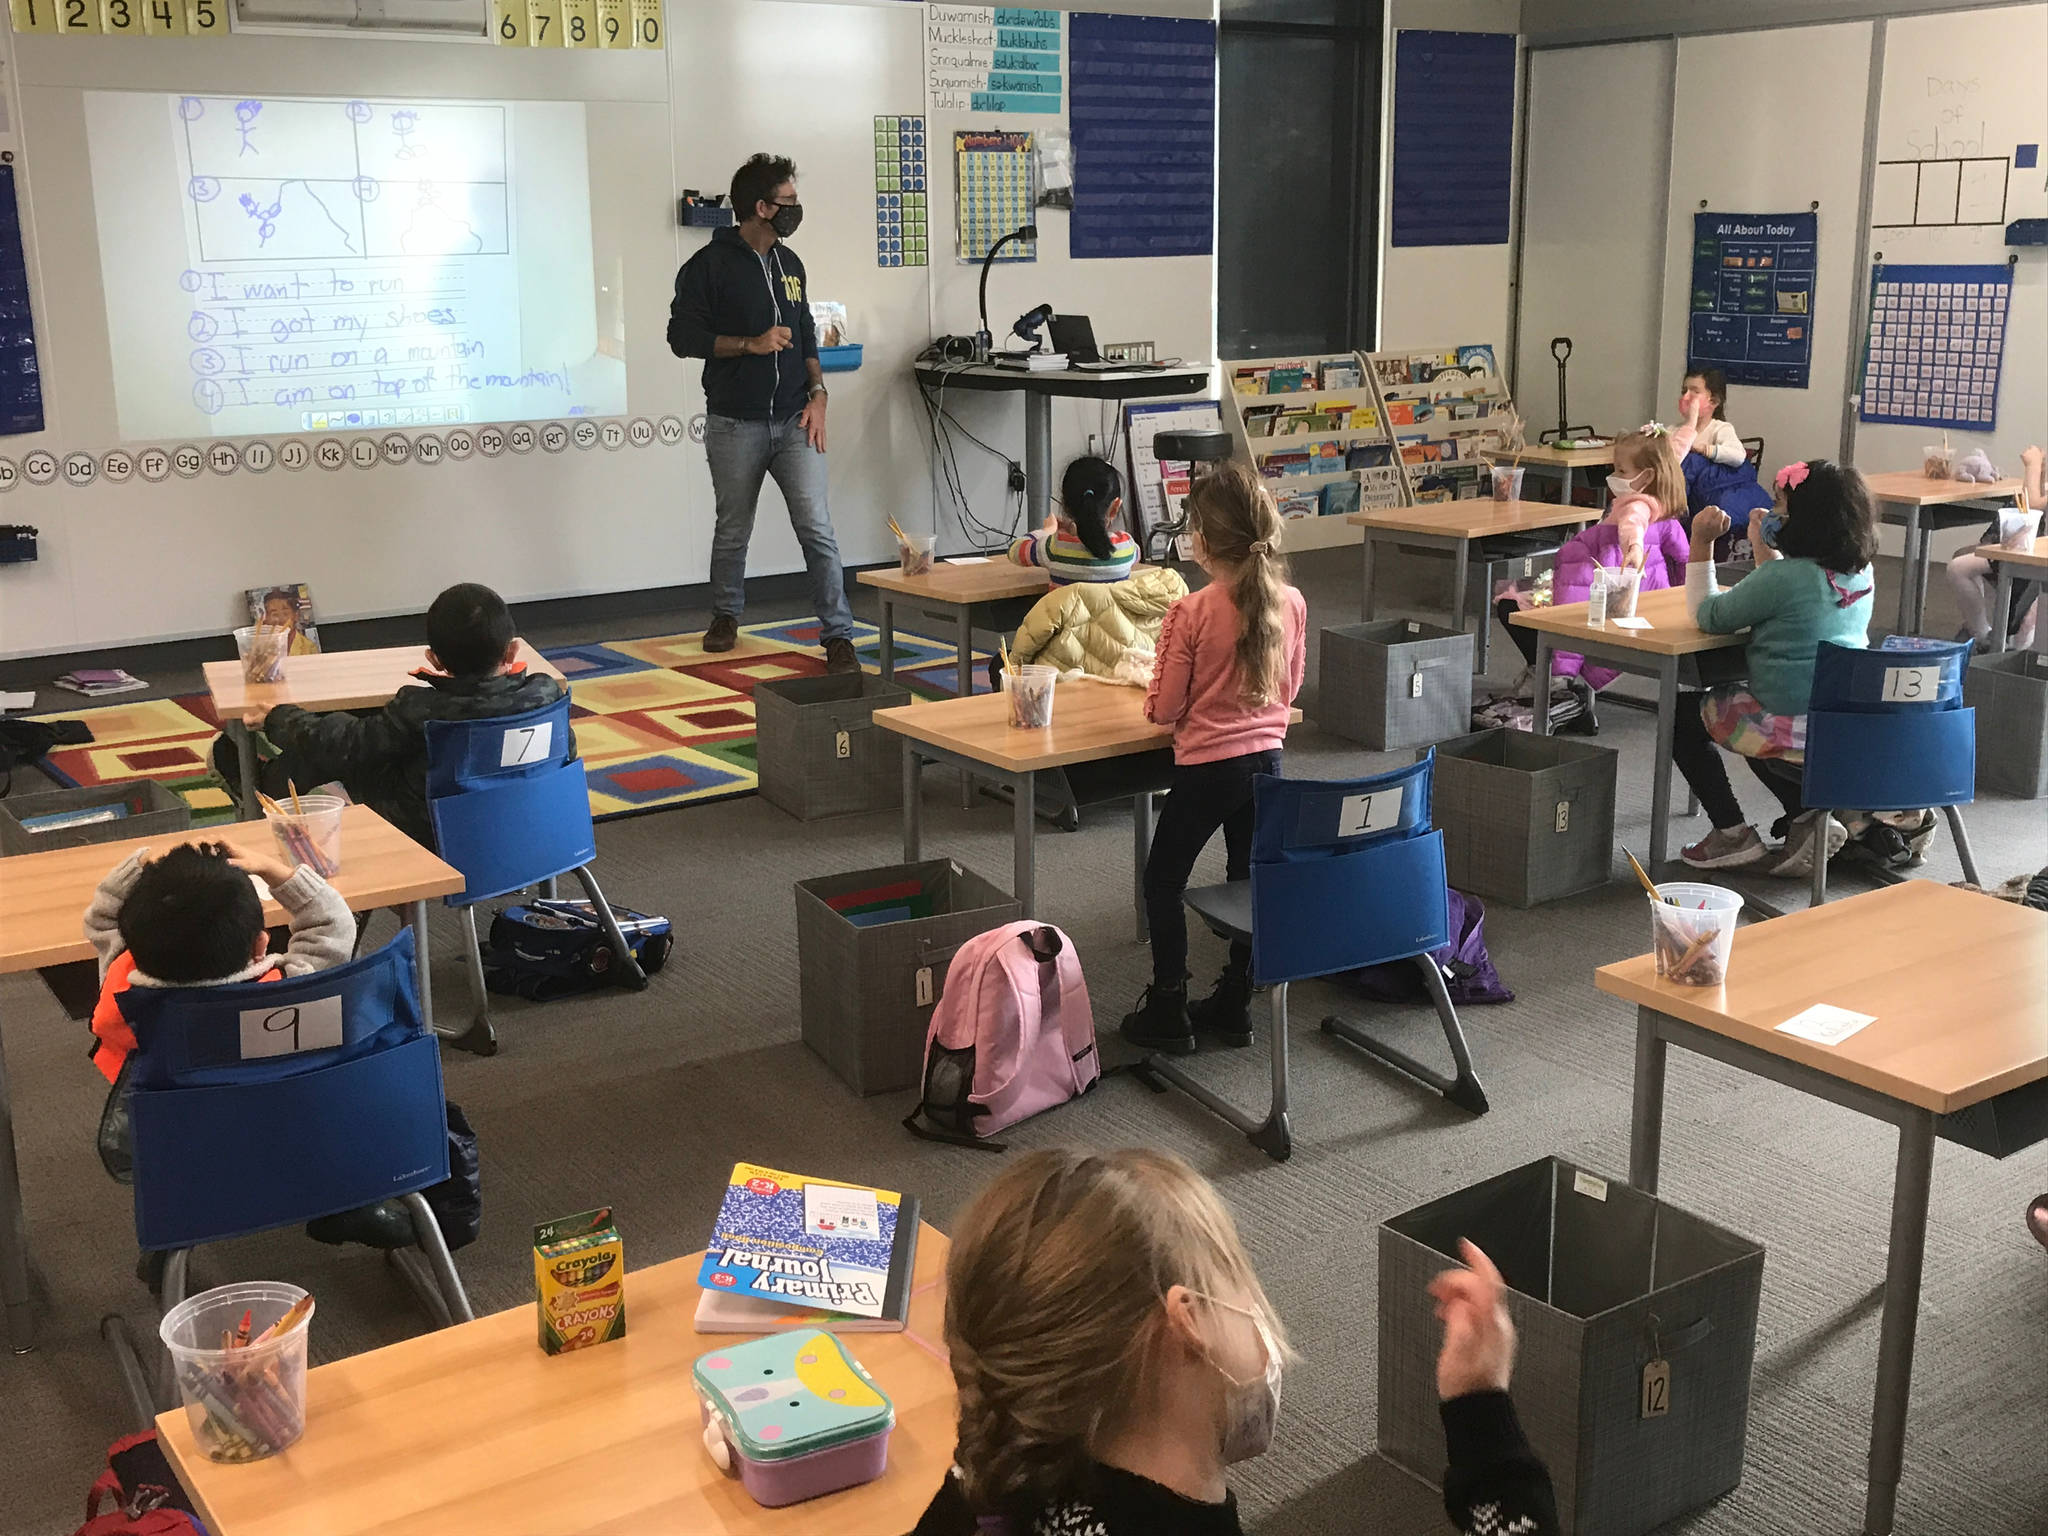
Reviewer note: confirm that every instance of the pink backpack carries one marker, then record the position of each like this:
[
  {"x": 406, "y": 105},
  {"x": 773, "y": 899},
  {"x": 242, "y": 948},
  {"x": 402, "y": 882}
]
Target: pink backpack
[{"x": 1012, "y": 1035}]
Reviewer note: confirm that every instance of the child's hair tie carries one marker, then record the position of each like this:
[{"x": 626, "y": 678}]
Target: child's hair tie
[
  {"x": 1790, "y": 478},
  {"x": 1654, "y": 429},
  {"x": 1262, "y": 546}
]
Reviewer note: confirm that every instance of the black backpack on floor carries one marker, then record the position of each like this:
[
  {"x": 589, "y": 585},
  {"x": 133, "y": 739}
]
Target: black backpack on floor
[{"x": 548, "y": 949}]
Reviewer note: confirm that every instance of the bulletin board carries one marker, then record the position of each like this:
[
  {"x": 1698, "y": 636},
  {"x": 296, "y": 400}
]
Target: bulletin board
[
  {"x": 1937, "y": 340},
  {"x": 1752, "y": 297}
]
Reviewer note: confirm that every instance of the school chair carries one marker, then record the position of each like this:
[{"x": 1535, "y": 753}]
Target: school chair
[
  {"x": 1753, "y": 449},
  {"x": 510, "y": 809},
  {"x": 255, "y": 1107},
  {"x": 1345, "y": 873},
  {"x": 1887, "y": 731},
  {"x": 1550, "y": 435}
]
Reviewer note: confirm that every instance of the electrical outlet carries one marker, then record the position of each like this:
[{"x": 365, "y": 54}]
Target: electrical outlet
[{"x": 1128, "y": 351}]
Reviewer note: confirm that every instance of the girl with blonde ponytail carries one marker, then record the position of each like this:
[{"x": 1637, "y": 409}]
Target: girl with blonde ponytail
[
  {"x": 1114, "y": 1353},
  {"x": 1230, "y": 663}
]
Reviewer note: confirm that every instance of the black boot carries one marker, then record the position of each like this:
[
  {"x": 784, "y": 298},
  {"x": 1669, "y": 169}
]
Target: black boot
[
  {"x": 1161, "y": 1020},
  {"x": 1226, "y": 1012}
]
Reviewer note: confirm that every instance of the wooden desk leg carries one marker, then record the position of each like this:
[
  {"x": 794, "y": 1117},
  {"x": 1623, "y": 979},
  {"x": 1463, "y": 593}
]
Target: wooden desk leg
[
  {"x": 1141, "y": 855},
  {"x": 888, "y": 638},
  {"x": 913, "y": 790},
  {"x": 2001, "y": 605},
  {"x": 1646, "y": 1120},
  {"x": 1023, "y": 870},
  {"x": 422, "y": 961},
  {"x": 1910, "y": 1189},
  {"x": 21, "y": 1337},
  {"x": 1539, "y": 698},
  {"x": 1660, "y": 786},
  {"x": 1365, "y": 608}
]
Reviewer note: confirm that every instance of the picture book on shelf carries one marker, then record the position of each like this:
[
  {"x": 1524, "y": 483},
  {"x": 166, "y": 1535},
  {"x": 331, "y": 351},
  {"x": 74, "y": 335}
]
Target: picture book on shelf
[
  {"x": 289, "y": 605},
  {"x": 787, "y": 1238}
]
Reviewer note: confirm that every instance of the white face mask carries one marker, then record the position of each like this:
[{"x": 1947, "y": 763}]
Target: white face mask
[
  {"x": 1622, "y": 485},
  {"x": 1251, "y": 1408}
]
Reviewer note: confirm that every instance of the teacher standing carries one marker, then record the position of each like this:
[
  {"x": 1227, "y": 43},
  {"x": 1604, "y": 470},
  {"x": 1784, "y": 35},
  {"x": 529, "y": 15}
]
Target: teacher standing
[{"x": 742, "y": 305}]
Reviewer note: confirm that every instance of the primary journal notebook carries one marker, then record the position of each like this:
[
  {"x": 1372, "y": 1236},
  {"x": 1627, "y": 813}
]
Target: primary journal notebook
[{"x": 792, "y": 1240}]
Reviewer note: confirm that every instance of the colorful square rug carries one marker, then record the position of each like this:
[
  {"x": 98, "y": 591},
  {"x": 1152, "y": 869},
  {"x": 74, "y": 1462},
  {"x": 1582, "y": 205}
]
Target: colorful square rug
[{"x": 659, "y": 722}]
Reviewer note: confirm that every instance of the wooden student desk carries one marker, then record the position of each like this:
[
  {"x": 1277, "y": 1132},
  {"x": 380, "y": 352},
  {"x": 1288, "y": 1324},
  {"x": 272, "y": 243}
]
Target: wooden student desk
[
  {"x": 1956, "y": 982},
  {"x": 1493, "y": 531},
  {"x": 2011, "y": 567},
  {"x": 1567, "y": 462},
  {"x": 330, "y": 680},
  {"x": 997, "y": 590},
  {"x": 1920, "y": 505},
  {"x": 1667, "y": 651},
  {"x": 43, "y": 897},
  {"x": 472, "y": 1431},
  {"x": 1090, "y": 721}
]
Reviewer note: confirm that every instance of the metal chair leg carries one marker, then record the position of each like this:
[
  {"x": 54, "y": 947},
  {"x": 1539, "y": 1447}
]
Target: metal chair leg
[
  {"x": 479, "y": 1039},
  {"x": 1273, "y": 1135},
  {"x": 435, "y": 1247},
  {"x": 177, "y": 1274},
  {"x": 1955, "y": 827},
  {"x": 134, "y": 1379},
  {"x": 1462, "y": 1088},
  {"x": 1820, "y": 861},
  {"x": 630, "y": 975}
]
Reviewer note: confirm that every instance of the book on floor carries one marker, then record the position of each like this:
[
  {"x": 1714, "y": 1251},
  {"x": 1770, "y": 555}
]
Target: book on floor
[
  {"x": 794, "y": 1241},
  {"x": 94, "y": 682}
]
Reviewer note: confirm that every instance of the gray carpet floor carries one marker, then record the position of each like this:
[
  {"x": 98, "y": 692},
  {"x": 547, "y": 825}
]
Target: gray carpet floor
[{"x": 707, "y": 1067}]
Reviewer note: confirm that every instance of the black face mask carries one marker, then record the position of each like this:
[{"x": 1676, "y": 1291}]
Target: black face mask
[{"x": 787, "y": 217}]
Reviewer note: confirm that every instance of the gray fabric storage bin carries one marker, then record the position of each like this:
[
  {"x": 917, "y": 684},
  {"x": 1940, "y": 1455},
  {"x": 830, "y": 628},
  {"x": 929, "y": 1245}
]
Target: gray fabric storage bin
[
  {"x": 818, "y": 750},
  {"x": 1525, "y": 818},
  {"x": 2010, "y": 694},
  {"x": 866, "y": 1005},
  {"x": 152, "y": 811},
  {"x": 1366, "y": 688},
  {"x": 1601, "y": 1280}
]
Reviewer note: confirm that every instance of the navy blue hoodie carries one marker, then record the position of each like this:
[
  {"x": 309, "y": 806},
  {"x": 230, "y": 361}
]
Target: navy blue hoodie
[{"x": 728, "y": 290}]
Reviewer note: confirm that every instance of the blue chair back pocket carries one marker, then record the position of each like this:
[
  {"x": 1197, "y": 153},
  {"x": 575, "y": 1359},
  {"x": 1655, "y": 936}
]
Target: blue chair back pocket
[
  {"x": 1316, "y": 917},
  {"x": 1890, "y": 762}
]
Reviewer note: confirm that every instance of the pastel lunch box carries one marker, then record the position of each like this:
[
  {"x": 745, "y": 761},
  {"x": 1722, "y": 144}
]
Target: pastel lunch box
[{"x": 795, "y": 1414}]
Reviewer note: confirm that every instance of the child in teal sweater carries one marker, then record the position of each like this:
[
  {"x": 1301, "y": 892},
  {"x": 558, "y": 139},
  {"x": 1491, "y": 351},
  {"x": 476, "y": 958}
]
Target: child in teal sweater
[{"x": 1812, "y": 583}]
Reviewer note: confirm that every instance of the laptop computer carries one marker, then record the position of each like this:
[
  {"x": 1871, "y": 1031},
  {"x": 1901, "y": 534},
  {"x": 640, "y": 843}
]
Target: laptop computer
[{"x": 1075, "y": 336}]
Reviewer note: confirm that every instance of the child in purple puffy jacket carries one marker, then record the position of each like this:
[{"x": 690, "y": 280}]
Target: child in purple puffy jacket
[{"x": 1644, "y": 526}]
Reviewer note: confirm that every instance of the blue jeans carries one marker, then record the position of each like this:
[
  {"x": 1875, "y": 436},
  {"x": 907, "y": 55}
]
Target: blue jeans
[{"x": 741, "y": 453}]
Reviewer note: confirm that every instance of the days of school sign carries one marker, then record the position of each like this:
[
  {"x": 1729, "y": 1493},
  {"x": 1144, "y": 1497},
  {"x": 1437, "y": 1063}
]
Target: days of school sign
[
  {"x": 1752, "y": 296},
  {"x": 992, "y": 59}
]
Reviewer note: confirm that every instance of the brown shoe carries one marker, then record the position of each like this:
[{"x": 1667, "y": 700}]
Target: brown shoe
[
  {"x": 839, "y": 656},
  {"x": 723, "y": 634}
]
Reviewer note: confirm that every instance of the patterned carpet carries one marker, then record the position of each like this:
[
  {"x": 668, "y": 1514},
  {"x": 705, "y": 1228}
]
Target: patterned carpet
[{"x": 659, "y": 722}]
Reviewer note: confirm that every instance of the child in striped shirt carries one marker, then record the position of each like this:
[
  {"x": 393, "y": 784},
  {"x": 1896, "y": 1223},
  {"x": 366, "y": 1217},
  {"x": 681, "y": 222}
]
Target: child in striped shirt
[{"x": 1078, "y": 543}]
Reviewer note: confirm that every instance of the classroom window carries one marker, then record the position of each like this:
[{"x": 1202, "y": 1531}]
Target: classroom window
[{"x": 1297, "y": 175}]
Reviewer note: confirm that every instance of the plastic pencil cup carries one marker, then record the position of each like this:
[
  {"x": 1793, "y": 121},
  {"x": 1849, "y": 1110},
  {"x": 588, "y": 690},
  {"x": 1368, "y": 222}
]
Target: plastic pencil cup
[
  {"x": 1030, "y": 690},
  {"x": 1622, "y": 589},
  {"x": 2016, "y": 529},
  {"x": 249, "y": 1402},
  {"x": 918, "y": 553},
  {"x": 1692, "y": 932},
  {"x": 263, "y": 651},
  {"x": 310, "y": 835},
  {"x": 1507, "y": 482}
]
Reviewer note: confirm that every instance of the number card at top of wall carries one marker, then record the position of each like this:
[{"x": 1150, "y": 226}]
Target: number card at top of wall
[
  {"x": 122, "y": 18},
  {"x": 609, "y": 24}
]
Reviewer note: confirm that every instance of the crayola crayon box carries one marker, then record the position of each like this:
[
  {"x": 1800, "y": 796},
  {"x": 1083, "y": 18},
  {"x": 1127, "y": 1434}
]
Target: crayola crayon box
[{"x": 579, "y": 1281}]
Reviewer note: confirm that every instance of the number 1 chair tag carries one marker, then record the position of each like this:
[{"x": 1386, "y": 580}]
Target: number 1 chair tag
[{"x": 1656, "y": 1389}]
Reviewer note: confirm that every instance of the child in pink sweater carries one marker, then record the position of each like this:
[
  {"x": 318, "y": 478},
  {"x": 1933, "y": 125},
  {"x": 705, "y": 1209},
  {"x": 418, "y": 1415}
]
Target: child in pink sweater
[{"x": 1230, "y": 663}]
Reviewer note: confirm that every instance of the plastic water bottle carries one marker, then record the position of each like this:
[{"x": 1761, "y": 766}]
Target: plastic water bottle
[{"x": 1596, "y": 599}]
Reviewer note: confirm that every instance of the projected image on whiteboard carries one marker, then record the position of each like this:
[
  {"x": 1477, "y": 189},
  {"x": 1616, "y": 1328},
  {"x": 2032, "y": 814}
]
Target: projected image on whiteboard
[{"x": 306, "y": 264}]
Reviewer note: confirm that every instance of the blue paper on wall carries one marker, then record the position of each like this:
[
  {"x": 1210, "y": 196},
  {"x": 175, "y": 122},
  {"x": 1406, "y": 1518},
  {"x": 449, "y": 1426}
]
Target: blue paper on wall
[
  {"x": 1936, "y": 344},
  {"x": 1752, "y": 296},
  {"x": 1143, "y": 113},
  {"x": 21, "y": 381},
  {"x": 1454, "y": 137}
]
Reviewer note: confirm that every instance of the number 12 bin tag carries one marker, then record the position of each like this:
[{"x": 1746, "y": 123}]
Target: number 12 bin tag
[{"x": 1656, "y": 1389}]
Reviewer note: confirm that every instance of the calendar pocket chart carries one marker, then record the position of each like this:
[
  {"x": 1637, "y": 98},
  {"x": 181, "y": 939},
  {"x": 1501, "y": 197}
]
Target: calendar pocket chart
[{"x": 1936, "y": 342}]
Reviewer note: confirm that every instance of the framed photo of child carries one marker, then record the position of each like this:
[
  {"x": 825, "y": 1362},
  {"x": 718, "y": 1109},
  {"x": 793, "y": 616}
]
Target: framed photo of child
[{"x": 287, "y": 606}]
